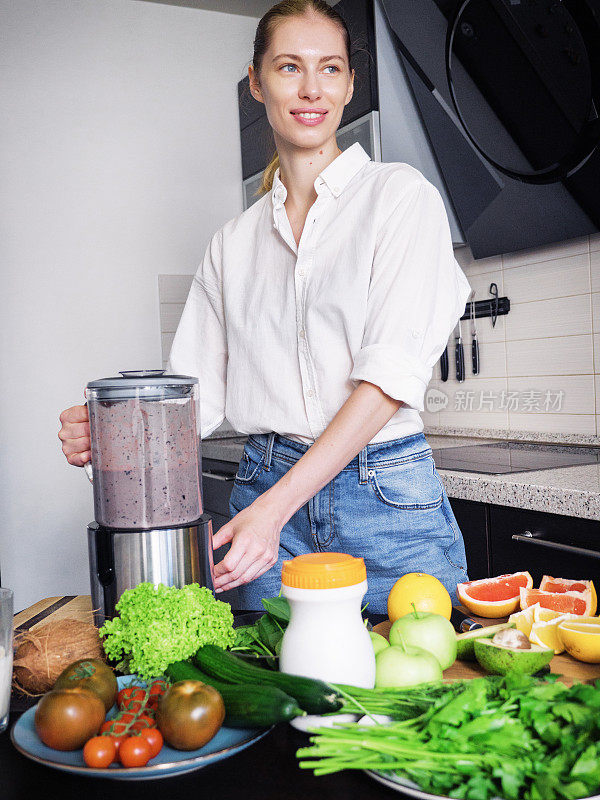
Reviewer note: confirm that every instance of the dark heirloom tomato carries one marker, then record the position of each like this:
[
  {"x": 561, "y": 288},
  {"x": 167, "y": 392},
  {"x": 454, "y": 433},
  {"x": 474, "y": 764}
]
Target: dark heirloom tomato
[
  {"x": 91, "y": 674},
  {"x": 189, "y": 714},
  {"x": 66, "y": 718}
]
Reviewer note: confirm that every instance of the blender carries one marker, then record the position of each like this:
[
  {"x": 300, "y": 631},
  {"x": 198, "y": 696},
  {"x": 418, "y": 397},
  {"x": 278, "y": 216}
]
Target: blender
[{"x": 146, "y": 473}]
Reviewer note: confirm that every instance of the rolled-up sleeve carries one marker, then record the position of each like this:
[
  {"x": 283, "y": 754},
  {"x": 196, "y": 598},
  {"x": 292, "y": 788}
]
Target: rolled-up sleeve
[
  {"x": 200, "y": 344},
  {"x": 417, "y": 293}
]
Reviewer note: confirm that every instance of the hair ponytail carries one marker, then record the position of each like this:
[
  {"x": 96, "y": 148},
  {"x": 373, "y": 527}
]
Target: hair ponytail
[{"x": 262, "y": 40}]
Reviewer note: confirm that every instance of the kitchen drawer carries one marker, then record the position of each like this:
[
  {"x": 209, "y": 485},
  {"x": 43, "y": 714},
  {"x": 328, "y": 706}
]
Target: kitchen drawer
[
  {"x": 217, "y": 483},
  {"x": 545, "y": 544},
  {"x": 471, "y": 518}
]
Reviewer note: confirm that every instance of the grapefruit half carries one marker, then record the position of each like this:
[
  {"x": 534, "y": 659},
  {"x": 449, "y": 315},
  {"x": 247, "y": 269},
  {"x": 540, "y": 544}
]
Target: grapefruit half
[
  {"x": 494, "y": 597},
  {"x": 550, "y": 584},
  {"x": 564, "y": 602}
]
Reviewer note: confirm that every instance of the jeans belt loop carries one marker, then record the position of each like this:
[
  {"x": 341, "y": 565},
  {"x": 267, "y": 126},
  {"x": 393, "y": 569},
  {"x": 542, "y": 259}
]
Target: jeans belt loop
[
  {"x": 363, "y": 476},
  {"x": 269, "y": 450}
]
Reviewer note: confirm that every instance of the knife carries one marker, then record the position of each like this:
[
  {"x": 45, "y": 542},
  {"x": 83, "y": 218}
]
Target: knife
[
  {"x": 474, "y": 342},
  {"x": 444, "y": 364},
  {"x": 462, "y": 622},
  {"x": 459, "y": 355}
]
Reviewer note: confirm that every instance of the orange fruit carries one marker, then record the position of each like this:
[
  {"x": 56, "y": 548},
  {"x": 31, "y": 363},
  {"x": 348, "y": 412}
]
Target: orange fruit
[
  {"x": 494, "y": 597},
  {"x": 550, "y": 584},
  {"x": 563, "y": 602},
  {"x": 425, "y": 591}
]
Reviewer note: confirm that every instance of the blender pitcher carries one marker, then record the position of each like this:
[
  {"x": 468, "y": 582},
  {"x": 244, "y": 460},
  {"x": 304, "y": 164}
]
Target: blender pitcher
[
  {"x": 146, "y": 473},
  {"x": 145, "y": 450}
]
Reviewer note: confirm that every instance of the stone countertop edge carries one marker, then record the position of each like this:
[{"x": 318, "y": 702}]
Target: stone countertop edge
[{"x": 568, "y": 491}]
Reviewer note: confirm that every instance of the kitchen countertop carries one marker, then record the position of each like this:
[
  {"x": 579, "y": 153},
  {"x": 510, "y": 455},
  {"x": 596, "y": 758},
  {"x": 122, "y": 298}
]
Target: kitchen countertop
[{"x": 571, "y": 491}]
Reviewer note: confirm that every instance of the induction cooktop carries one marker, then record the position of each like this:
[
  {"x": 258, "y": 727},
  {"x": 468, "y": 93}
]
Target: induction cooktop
[{"x": 499, "y": 458}]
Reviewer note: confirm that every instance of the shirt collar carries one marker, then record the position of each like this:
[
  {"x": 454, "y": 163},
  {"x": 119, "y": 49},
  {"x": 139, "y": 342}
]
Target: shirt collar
[{"x": 335, "y": 176}]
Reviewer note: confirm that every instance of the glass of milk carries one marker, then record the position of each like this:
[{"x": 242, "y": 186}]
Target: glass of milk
[{"x": 6, "y": 654}]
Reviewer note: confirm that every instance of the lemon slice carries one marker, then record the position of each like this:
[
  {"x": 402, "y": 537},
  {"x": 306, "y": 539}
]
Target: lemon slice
[
  {"x": 524, "y": 619},
  {"x": 541, "y": 614},
  {"x": 546, "y": 633}
]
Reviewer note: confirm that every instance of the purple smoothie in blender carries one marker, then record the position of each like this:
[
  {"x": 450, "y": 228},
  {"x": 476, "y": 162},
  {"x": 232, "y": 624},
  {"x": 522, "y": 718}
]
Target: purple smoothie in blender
[{"x": 145, "y": 450}]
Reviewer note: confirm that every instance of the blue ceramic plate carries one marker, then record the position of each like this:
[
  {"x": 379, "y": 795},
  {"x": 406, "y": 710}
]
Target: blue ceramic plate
[{"x": 227, "y": 742}]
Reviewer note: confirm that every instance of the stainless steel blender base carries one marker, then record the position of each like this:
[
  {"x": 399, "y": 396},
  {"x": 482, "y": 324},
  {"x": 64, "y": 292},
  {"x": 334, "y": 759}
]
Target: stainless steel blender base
[{"x": 122, "y": 559}]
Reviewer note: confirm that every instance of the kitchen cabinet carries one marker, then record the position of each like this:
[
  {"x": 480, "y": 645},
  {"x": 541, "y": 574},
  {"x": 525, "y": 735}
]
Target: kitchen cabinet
[
  {"x": 472, "y": 521},
  {"x": 501, "y": 539}
]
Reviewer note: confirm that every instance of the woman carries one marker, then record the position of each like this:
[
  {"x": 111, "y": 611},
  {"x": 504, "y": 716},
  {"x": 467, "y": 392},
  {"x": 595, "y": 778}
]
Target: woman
[{"x": 313, "y": 324}]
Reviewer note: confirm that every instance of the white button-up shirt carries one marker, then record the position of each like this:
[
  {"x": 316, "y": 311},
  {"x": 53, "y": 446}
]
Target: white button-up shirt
[{"x": 280, "y": 335}]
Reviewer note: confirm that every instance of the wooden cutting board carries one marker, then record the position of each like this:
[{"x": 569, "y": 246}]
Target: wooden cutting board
[{"x": 568, "y": 668}]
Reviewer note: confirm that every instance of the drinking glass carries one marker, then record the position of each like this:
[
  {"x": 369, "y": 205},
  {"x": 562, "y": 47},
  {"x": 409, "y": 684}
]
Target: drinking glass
[{"x": 6, "y": 654}]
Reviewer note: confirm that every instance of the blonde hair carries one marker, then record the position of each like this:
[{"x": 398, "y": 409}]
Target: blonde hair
[{"x": 262, "y": 40}]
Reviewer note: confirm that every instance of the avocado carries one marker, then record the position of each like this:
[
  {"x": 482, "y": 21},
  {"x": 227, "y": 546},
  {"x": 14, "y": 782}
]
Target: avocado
[
  {"x": 465, "y": 641},
  {"x": 500, "y": 659}
]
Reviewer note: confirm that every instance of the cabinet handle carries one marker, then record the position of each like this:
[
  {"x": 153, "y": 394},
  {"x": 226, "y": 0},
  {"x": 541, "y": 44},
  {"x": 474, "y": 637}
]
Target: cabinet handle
[
  {"x": 530, "y": 538},
  {"x": 217, "y": 476}
]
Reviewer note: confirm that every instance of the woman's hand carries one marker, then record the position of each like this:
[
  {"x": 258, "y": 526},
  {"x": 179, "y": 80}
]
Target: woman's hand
[
  {"x": 75, "y": 435},
  {"x": 254, "y": 533}
]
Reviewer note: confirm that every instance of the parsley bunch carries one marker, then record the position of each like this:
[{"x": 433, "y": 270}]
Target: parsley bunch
[
  {"x": 517, "y": 738},
  {"x": 158, "y": 626}
]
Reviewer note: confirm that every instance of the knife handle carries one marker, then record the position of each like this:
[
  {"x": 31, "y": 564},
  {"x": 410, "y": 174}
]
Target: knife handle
[
  {"x": 444, "y": 364},
  {"x": 475, "y": 356},
  {"x": 460, "y": 362}
]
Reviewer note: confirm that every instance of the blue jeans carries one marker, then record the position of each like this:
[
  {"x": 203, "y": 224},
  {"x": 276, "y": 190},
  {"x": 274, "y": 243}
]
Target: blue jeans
[{"x": 388, "y": 506}]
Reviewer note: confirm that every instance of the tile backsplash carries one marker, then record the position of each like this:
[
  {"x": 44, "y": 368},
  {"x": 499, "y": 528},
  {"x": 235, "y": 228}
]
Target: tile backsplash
[{"x": 540, "y": 364}]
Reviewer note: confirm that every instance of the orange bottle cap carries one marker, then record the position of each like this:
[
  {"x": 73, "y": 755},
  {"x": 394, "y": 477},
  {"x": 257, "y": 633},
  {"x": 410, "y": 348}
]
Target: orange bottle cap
[{"x": 323, "y": 571}]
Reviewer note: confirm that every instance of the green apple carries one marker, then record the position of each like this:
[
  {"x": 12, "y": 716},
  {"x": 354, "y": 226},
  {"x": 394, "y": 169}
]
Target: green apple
[
  {"x": 432, "y": 632},
  {"x": 378, "y": 641},
  {"x": 405, "y": 666}
]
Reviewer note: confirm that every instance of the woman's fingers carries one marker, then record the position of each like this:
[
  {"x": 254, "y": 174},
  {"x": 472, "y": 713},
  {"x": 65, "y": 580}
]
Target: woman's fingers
[
  {"x": 75, "y": 435},
  {"x": 254, "y": 571},
  {"x": 248, "y": 556},
  {"x": 224, "y": 535}
]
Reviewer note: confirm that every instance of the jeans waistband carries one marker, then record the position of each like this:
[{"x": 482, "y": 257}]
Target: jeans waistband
[{"x": 382, "y": 454}]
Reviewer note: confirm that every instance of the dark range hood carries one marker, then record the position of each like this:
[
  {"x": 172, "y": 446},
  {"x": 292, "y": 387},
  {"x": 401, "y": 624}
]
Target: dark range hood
[{"x": 509, "y": 94}]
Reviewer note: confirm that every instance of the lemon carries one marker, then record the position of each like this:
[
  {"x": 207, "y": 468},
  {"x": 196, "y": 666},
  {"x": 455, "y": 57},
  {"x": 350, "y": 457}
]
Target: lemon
[
  {"x": 545, "y": 633},
  {"x": 524, "y": 619},
  {"x": 425, "y": 591},
  {"x": 581, "y": 639},
  {"x": 542, "y": 614}
]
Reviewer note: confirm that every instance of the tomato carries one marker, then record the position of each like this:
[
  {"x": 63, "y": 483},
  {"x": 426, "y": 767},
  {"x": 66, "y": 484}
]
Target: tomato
[
  {"x": 154, "y": 738},
  {"x": 132, "y": 698},
  {"x": 189, "y": 714},
  {"x": 66, "y": 718},
  {"x": 134, "y": 752},
  {"x": 99, "y": 752},
  {"x": 143, "y": 721},
  {"x": 91, "y": 674}
]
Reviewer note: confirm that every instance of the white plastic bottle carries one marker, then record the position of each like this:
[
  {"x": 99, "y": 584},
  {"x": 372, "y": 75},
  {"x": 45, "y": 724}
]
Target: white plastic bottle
[{"x": 326, "y": 637}]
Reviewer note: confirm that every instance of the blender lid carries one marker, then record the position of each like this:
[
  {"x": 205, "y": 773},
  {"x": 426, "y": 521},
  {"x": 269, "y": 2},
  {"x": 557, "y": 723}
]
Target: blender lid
[{"x": 143, "y": 377}]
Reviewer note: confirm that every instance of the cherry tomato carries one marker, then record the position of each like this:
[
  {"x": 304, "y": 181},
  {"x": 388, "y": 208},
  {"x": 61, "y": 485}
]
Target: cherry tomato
[
  {"x": 141, "y": 722},
  {"x": 66, "y": 718},
  {"x": 99, "y": 752},
  {"x": 134, "y": 752},
  {"x": 117, "y": 740},
  {"x": 154, "y": 738},
  {"x": 132, "y": 698}
]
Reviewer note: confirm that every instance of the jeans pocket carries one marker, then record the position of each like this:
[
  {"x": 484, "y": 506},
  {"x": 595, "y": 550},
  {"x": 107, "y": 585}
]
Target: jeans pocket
[
  {"x": 249, "y": 469},
  {"x": 409, "y": 486}
]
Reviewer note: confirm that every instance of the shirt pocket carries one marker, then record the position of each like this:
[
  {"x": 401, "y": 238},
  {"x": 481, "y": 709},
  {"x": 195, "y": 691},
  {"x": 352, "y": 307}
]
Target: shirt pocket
[
  {"x": 249, "y": 469},
  {"x": 409, "y": 486}
]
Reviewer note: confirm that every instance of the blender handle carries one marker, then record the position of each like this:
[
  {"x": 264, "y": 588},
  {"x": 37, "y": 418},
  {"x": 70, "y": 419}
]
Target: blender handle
[{"x": 88, "y": 471}]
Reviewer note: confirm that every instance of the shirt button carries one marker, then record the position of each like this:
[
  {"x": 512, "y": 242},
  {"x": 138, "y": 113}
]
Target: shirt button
[
  {"x": 416, "y": 334},
  {"x": 310, "y": 393},
  {"x": 301, "y": 273},
  {"x": 303, "y": 334},
  {"x": 336, "y": 188}
]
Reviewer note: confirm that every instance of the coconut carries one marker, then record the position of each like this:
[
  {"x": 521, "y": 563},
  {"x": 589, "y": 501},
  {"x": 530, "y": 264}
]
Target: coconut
[{"x": 43, "y": 653}]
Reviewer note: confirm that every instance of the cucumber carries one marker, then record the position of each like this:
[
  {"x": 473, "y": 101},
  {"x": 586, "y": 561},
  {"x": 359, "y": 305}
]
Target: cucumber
[
  {"x": 313, "y": 696},
  {"x": 247, "y": 706}
]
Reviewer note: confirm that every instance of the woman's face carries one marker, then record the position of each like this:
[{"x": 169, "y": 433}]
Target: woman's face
[{"x": 305, "y": 69}]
